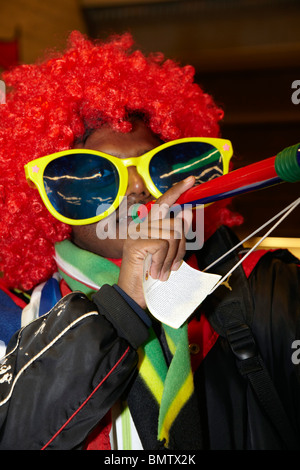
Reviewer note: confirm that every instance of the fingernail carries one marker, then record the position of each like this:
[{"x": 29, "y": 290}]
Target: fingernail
[
  {"x": 176, "y": 265},
  {"x": 165, "y": 276},
  {"x": 189, "y": 179}
]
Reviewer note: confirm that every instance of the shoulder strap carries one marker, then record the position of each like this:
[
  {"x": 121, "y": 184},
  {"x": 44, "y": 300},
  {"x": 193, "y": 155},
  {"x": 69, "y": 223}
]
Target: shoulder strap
[
  {"x": 231, "y": 316},
  {"x": 252, "y": 367}
]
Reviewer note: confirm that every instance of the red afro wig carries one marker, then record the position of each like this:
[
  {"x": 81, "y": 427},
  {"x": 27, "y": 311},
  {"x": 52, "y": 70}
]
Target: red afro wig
[{"x": 51, "y": 105}]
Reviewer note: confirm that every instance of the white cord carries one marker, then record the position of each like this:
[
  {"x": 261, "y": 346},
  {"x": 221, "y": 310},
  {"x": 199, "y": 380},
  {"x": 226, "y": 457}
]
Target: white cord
[{"x": 285, "y": 213}]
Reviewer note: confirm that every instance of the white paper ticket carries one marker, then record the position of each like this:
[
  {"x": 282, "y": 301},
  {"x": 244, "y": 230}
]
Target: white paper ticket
[{"x": 174, "y": 300}]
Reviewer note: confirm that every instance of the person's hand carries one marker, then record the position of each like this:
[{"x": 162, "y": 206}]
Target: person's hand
[{"x": 160, "y": 236}]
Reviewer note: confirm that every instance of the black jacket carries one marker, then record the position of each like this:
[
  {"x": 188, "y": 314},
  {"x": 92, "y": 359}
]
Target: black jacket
[
  {"x": 234, "y": 406},
  {"x": 269, "y": 303},
  {"x": 66, "y": 369}
]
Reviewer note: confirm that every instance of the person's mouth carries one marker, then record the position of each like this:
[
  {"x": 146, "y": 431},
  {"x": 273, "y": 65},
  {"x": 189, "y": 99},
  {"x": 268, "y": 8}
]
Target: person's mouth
[
  {"x": 124, "y": 220},
  {"x": 130, "y": 212}
]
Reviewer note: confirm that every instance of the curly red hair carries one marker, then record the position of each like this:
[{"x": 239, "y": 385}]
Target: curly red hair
[{"x": 50, "y": 106}]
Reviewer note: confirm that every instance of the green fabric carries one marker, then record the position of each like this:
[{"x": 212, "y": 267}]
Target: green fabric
[
  {"x": 155, "y": 355},
  {"x": 179, "y": 369},
  {"x": 100, "y": 270},
  {"x": 176, "y": 382},
  {"x": 126, "y": 429}
]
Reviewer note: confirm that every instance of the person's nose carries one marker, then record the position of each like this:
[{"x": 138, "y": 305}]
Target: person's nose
[{"x": 136, "y": 184}]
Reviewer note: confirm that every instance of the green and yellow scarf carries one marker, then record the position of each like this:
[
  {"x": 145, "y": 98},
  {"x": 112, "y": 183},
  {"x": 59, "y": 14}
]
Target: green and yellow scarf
[{"x": 170, "y": 383}]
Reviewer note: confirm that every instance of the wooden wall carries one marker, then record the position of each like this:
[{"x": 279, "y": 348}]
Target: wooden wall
[{"x": 41, "y": 24}]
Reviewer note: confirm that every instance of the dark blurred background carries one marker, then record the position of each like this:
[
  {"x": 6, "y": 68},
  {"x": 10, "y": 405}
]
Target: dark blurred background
[{"x": 246, "y": 53}]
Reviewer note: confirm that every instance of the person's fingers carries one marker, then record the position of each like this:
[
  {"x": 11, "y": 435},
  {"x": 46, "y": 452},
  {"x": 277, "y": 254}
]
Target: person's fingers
[
  {"x": 171, "y": 196},
  {"x": 134, "y": 255},
  {"x": 159, "y": 256},
  {"x": 185, "y": 218},
  {"x": 174, "y": 228},
  {"x": 161, "y": 267},
  {"x": 162, "y": 235}
]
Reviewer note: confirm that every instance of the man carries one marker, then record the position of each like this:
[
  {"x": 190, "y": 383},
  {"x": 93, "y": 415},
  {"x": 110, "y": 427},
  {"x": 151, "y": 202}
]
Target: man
[{"x": 94, "y": 362}]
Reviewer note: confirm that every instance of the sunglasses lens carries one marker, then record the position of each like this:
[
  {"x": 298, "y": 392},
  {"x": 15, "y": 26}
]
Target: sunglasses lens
[
  {"x": 175, "y": 163},
  {"x": 81, "y": 186}
]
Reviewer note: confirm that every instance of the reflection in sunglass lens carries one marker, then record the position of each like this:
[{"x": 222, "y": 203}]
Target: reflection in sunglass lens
[
  {"x": 177, "y": 162},
  {"x": 81, "y": 186}
]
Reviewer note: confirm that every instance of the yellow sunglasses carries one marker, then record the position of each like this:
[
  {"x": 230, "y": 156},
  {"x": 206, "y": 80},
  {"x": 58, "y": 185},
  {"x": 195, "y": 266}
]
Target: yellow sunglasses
[{"x": 82, "y": 186}]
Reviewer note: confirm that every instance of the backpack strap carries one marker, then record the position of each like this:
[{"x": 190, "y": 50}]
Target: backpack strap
[
  {"x": 252, "y": 367},
  {"x": 231, "y": 315}
]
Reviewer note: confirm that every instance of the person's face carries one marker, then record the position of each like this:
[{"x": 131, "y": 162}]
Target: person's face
[{"x": 133, "y": 144}]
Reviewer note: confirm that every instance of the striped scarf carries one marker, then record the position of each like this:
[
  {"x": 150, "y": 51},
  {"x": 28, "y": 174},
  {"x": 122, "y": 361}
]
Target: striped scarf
[{"x": 170, "y": 386}]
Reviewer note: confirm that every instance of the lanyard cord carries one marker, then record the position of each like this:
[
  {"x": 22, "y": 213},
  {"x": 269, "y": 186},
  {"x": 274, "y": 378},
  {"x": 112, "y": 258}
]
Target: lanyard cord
[{"x": 285, "y": 213}]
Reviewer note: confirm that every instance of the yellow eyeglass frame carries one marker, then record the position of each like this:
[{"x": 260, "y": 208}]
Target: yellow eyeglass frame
[{"x": 34, "y": 172}]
